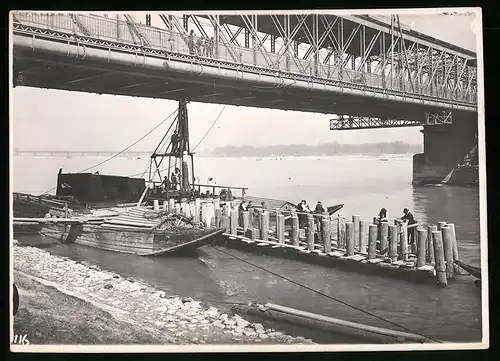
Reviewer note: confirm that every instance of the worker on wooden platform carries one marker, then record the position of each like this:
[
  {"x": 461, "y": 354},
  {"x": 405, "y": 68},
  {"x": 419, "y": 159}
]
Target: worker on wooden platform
[
  {"x": 166, "y": 183},
  {"x": 173, "y": 181},
  {"x": 320, "y": 209},
  {"x": 301, "y": 209},
  {"x": 381, "y": 217},
  {"x": 242, "y": 208},
  {"x": 409, "y": 219}
]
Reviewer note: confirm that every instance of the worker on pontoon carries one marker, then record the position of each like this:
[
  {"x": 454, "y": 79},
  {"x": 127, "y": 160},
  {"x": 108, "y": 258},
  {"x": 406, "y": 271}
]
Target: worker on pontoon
[
  {"x": 409, "y": 220},
  {"x": 382, "y": 216},
  {"x": 320, "y": 208},
  {"x": 301, "y": 209},
  {"x": 173, "y": 180},
  {"x": 166, "y": 183},
  {"x": 243, "y": 206}
]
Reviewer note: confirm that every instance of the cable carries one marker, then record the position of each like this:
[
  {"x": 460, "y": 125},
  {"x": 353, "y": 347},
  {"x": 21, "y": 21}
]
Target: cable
[
  {"x": 124, "y": 150},
  {"x": 320, "y": 293},
  {"x": 277, "y": 275},
  {"x": 209, "y": 129}
]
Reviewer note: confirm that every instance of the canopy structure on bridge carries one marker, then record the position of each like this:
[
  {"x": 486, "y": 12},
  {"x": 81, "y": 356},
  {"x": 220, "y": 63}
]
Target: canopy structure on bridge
[{"x": 355, "y": 66}]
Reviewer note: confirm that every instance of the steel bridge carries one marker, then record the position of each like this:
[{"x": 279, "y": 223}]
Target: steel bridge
[{"x": 371, "y": 71}]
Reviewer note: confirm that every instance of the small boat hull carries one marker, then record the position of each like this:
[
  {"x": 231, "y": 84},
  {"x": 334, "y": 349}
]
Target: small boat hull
[
  {"x": 472, "y": 270},
  {"x": 130, "y": 240},
  {"x": 333, "y": 209}
]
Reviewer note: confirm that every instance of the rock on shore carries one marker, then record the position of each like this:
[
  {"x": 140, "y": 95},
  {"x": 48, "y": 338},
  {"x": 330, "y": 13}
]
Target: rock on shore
[{"x": 185, "y": 319}]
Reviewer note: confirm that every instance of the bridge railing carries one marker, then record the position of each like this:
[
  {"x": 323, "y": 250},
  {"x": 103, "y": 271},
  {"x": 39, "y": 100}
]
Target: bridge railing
[{"x": 108, "y": 29}]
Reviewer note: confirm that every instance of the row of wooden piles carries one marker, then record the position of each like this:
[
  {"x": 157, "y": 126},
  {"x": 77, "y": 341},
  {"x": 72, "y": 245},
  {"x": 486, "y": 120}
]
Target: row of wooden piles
[{"x": 434, "y": 247}]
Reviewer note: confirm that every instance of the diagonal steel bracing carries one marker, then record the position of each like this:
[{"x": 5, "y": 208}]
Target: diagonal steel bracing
[{"x": 342, "y": 122}]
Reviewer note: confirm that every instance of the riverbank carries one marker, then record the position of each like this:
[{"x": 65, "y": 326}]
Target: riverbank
[{"x": 65, "y": 302}]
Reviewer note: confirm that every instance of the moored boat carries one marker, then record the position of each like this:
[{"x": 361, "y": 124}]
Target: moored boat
[
  {"x": 470, "y": 269},
  {"x": 139, "y": 230}
]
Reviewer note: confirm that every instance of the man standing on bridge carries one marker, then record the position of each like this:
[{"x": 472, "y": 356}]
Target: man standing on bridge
[{"x": 191, "y": 42}]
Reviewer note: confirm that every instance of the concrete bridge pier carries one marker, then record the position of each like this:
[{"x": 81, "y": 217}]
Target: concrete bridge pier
[{"x": 445, "y": 147}]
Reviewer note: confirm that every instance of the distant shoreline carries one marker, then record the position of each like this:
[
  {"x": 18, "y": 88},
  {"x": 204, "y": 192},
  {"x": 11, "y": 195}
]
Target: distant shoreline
[
  {"x": 209, "y": 156},
  {"x": 271, "y": 157},
  {"x": 320, "y": 150}
]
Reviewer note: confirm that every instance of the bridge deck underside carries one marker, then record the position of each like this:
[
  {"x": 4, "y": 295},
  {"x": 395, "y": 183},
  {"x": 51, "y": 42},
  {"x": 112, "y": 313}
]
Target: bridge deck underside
[{"x": 65, "y": 73}]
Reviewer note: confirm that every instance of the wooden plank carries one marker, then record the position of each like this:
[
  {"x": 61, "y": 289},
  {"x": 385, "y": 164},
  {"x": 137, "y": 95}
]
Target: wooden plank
[
  {"x": 356, "y": 257},
  {"x": 48, "y": 220},
  {"x": 336, "y": 254},
  {"x": 133, "y": 221},
  {"x": 170, "y": 249},
  {"x": 116, "y": 227},
  {"x": 111, "y": 247},
  {"x": 426, "y": 268},
  {"x": 126, "y": 223},
  {"x": 373, "y": 329}
]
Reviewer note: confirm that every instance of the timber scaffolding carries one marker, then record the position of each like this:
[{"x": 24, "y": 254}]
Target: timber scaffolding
[{"x": 331, "y": 240}]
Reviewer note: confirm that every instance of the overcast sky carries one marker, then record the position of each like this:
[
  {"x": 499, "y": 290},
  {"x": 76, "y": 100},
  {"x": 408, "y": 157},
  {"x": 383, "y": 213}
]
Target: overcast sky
[{"x": 51, "y": 119}]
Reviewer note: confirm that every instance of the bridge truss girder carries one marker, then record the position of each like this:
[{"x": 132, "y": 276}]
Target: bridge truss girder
[
  {"x": 347, "y": 122},
  {"x": 358, "y": 51},
  {"x": 358, "y": 47}
]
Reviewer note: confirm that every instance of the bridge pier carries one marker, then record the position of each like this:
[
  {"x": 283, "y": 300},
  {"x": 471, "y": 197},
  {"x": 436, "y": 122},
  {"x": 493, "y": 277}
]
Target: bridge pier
[{"x": 445, "y": 147}]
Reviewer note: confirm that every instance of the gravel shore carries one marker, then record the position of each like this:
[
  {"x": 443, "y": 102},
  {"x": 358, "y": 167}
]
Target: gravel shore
[{"x": 151, "y": 315}]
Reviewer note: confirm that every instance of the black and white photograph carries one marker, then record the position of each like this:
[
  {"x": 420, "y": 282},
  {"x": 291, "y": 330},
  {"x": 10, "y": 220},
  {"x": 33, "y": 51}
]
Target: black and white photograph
[{"x": 247, "y": 181}]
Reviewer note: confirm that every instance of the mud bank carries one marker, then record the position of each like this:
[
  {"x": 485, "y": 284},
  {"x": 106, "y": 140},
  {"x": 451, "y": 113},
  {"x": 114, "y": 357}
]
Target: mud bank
[{"x": 151, "y": 315}]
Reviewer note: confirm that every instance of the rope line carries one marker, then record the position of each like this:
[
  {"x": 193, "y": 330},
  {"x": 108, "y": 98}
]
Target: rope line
[
  {"x": 209, "y": 129},
  {"x": 321, "y": 293},
  {"x": 122, "y": 151},
  {"x": 204, "y": 136},
  {"x": 272, "y": 273},
  {"x": 196, "y": 146}
]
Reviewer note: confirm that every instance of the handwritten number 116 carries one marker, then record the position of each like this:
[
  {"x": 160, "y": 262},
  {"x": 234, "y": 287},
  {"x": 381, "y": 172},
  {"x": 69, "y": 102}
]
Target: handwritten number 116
[{"x": 21, "y": 340}]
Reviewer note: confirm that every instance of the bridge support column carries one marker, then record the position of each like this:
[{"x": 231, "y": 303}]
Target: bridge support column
[{"x": 445, "y": 147}]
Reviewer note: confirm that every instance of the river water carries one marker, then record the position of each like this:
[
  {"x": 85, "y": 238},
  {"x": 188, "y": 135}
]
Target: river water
[{"x": 363, "y": 184}]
